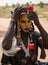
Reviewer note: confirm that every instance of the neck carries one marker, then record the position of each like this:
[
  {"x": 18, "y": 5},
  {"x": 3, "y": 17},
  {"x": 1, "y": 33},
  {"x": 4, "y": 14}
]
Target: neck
[{"x": 24, "y": 37}]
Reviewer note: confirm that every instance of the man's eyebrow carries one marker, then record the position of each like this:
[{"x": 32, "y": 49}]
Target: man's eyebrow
[
  {"x": 22, "y": 20},
  {"x": 25, "y": 20}
]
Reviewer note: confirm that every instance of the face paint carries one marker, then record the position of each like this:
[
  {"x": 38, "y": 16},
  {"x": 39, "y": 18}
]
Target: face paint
[{"x": 25, "y": 23}]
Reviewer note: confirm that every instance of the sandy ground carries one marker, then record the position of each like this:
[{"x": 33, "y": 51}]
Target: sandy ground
[{"x": 4, "y": 23}]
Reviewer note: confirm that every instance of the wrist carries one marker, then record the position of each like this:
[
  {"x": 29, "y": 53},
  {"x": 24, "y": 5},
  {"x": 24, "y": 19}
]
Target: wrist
[{"x": 37, "y": 23}]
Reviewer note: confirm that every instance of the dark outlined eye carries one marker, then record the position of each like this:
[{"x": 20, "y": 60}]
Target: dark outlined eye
[{"x": 22, "y": 21}]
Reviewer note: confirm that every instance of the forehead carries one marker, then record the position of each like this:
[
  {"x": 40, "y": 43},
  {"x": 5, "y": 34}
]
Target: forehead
[{"x": 23, "y": 17}]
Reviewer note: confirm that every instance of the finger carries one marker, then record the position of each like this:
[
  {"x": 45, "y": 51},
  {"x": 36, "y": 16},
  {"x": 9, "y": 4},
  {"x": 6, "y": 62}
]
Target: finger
[
  {"x": 18, "y": 9},
  {"x": 21, "y": 9}
]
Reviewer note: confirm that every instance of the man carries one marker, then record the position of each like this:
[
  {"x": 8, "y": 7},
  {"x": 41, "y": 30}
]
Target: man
[{"x": 20, "y": 45}]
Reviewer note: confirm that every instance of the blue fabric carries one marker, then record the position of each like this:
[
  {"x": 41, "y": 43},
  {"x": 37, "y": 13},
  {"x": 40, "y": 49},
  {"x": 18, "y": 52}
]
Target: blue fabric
[{"x": 42, "y": 63}]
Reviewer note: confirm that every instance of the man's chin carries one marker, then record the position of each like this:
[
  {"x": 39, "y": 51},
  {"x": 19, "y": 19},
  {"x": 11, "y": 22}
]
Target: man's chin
[{"x": 26, "y": 31}]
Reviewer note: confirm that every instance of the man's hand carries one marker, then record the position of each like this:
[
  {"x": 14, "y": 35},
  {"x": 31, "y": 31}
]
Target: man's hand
[
  {"x": 33, "y": 16},
  {"x": 17, "y": 13}
]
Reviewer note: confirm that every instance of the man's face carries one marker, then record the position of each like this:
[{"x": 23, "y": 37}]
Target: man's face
[{"x": 25, "y": 23}]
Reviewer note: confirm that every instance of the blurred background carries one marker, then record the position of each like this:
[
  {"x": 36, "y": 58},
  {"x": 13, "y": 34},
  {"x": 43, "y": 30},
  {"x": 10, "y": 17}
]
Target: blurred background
[{"x": 6, "y": 6}]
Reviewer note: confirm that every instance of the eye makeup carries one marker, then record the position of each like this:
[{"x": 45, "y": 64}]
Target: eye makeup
[{"x": 23, "y": 21}]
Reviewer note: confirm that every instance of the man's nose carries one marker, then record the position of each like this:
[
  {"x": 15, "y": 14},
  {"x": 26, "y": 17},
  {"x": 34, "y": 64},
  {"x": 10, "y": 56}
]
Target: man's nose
[{"x": 27, "y": 24}]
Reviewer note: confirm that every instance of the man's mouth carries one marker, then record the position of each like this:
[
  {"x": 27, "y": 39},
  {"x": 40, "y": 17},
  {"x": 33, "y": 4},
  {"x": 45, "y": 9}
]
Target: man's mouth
[{"x": 26, "y": 28}]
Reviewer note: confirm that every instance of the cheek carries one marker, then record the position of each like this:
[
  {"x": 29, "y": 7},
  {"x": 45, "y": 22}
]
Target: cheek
[
  {"x": 22, "y": 26},
  {"x": 29, "y": 24}
]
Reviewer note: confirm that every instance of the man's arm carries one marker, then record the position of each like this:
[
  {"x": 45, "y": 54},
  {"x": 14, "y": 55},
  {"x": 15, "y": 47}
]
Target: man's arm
[
  {"x": 32, "y": 15},
  {"x": 7, "y": 41},
  {"x": 40, "y": 45},
  {"x": 43, "y": 33}
]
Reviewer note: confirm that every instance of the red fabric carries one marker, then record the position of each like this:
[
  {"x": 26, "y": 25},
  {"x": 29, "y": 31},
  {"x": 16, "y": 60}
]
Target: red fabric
[
  {"x": 31, "y": 8},
  {"x": 32, "y": 47}
]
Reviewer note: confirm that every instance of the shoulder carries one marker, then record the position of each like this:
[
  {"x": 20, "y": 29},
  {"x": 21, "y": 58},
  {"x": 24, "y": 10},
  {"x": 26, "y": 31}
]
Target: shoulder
[{"x": 37, "y": 34}]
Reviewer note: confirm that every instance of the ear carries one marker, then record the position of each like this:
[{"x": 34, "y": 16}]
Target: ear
[{"x": 11, "y": 12}]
